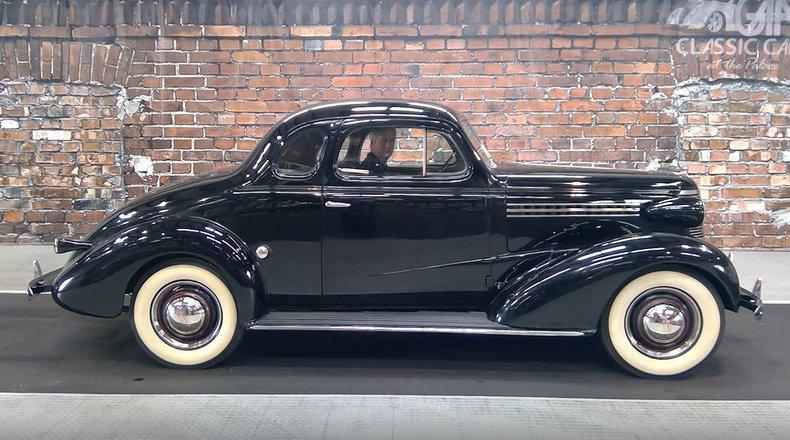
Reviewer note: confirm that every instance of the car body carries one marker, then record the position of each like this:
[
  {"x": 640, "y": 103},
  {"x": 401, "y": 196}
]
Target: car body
[
  {"x": 712, "y": 15},
  {"x": 296, "y": 237}
]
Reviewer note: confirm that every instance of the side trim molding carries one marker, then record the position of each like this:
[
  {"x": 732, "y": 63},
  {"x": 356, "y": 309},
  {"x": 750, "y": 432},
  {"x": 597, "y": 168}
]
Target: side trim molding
[{"x": 421, "y": 329}]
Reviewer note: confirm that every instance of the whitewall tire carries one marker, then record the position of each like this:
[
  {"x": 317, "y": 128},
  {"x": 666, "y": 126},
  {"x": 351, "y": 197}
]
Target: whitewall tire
[
  {"x": 184, "y": 315},
  {"x": 663, "y": 324}
]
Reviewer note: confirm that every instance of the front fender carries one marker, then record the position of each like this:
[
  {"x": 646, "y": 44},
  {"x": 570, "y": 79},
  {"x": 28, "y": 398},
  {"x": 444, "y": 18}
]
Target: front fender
[
  {"x": 572, "y": 291},
  {"x": 95, "y": 282}
]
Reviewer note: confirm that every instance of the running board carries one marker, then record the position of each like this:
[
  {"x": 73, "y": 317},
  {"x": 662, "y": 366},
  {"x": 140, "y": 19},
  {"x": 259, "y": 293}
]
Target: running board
[{"x": 407, "y": 322}]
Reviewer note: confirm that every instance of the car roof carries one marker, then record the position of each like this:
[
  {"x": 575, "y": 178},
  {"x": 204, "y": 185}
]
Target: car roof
[{"x": 342, "y": 109}]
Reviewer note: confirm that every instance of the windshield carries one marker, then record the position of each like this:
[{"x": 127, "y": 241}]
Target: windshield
[{"x": 482, "y": 153}]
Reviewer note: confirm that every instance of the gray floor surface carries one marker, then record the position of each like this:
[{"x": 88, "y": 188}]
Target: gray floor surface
[{"x": 344, "y": 417}]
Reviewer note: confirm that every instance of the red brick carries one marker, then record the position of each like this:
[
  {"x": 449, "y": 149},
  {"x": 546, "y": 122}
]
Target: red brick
[
  {"x": 224, "y": 31},
  {"x": 357, "y": 31},
  {"x": 13, "y": 216},
  {"x": 311, "y": 31},
  {"x": 135, "y": 31},
  {"x": 49, "y": 32},
  {"x": 247, "y": 106},
  {"x": 267, "y": 31},
  {"x": 180, "y": 31},
  {"x": 250, "y": 57},
  {"x": 13, "y": 31},
  {"x": 604, "y": 131},
  {"x": 536, "y": 106},
  {"x": 210, "y": 57},
  {"x": 395, "y": 31},
  {"x": 357, "y": 81},
  {"x": 92, "y": 32},
  {"x": 613, "y": 29},
  {"x": 440, "y": 30}
]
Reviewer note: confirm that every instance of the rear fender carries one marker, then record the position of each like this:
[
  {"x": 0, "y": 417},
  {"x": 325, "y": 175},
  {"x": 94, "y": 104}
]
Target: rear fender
[
  {"x": 95, "y": 282},
  {"x": 573, "y": 289}
]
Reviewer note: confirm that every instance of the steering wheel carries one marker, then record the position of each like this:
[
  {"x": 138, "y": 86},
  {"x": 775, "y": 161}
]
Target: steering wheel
[{"x": 447, "y": 162}]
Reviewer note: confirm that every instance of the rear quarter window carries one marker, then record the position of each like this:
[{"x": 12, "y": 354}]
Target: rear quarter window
[{"x": 301, "y": 153}]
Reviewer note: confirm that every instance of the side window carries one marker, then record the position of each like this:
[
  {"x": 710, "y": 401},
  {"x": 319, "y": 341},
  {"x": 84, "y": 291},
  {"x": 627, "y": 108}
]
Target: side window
[
  {"x": 399, "y": 151},
  {"x": 301, "y": 153}
]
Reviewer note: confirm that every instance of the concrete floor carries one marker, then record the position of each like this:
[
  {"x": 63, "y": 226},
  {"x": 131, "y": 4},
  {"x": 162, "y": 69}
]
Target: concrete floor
[{"x": 345, "y": 417}]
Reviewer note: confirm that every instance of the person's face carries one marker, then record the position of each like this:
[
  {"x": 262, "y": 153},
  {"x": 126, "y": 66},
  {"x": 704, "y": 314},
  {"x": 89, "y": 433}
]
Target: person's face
[{"x": 382, "y": 144}]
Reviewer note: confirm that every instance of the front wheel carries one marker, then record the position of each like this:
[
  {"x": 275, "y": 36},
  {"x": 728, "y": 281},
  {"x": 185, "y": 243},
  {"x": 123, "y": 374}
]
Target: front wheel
[
  {"x": 184, "y": 315},
  {"x": 663, "y": 324}
]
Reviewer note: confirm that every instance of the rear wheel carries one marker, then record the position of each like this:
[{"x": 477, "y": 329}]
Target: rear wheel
[
  {"x": 715, "y": 23},
  {"x": 663, "y": 324},
  {"x": 184, "y": 315}
]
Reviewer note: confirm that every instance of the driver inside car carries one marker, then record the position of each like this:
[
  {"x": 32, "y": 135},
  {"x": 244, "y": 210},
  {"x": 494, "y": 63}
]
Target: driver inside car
[{"x": 382, "y": 144}]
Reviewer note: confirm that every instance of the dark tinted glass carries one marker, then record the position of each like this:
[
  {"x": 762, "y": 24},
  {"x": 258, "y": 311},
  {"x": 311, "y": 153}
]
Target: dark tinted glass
[{"x": 301, "y": 153}]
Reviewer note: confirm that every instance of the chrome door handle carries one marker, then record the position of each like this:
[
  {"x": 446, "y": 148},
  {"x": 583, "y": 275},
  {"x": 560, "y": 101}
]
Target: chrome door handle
[{"x": 331, "y": 204}]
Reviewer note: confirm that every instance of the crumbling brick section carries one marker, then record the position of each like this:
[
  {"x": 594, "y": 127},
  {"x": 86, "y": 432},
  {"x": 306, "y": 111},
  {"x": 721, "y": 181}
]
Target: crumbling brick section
[
  {"x": 61, "y": 142},
  {"x": 735, "y": 135},
  {"x": 61, "y": 150}
]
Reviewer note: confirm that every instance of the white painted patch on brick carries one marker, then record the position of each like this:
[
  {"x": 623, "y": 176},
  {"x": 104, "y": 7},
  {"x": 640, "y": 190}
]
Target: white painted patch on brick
[
  {"x": 704, "y": 131},
  {"x": 785, "y": 156},
  {"x": 704, "y": 156},
  {"x": 653, "y": 165},
  {"x": 142, "y": 165},
  {"x": 127, "y": 107},
  {"x": 781, "y": 218},
  {"x": 9, "y": 123},
  {"x": 51, "y": 135},
  {"x": 739, "y": 144},
  {"x": 656, "y": 164},
  {"x": 755, "y": 206},
  {"x": 735, "y": 156}
]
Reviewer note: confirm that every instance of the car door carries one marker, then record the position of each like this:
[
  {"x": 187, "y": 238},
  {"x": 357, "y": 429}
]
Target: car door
[
  {"x": 280, "y": 215},
  {"x": 415, "y": 235}
]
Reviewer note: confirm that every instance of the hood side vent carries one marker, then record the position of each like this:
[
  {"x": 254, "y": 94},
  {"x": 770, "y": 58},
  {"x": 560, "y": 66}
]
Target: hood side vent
[{"x": 593, "y": 209}]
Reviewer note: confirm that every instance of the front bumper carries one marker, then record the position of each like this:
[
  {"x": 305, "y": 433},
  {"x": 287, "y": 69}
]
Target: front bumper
[
  {"x": 41, "y": 283},
  {"x": 752, "y": 300}
]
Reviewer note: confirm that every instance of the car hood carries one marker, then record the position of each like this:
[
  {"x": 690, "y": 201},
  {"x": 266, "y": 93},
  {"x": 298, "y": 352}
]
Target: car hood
[
  {"x": 161, "y": 201},
  {"x": 578, "y": 181}
]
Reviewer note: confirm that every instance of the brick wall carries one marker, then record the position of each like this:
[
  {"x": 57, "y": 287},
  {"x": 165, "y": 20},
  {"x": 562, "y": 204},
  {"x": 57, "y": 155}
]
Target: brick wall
[
  {"x": 62, "y": 149},
  {"x": 734, "y": 135},
  {"x": 567, "y": 82}
]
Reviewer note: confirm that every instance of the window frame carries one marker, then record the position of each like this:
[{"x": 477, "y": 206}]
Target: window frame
[
  {"x": 458, "y": 176},
  {"x": 282, "y": 148}
]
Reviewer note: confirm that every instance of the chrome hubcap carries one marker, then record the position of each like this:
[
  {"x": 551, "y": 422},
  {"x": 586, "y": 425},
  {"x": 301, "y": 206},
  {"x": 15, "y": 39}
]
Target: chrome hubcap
[
  {"x": 186, "y": 315},
  {"x": 663, "y": 323}
]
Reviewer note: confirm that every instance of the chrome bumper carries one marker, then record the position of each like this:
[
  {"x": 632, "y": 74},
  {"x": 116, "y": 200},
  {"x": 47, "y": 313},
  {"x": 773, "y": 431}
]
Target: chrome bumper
[
  {"x": 40, "y": 283},
  {"x": 752, "y": 300}
]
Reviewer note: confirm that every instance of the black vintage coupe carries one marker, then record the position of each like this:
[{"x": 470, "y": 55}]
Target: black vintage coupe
[{"x": 392, "y": 216}]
